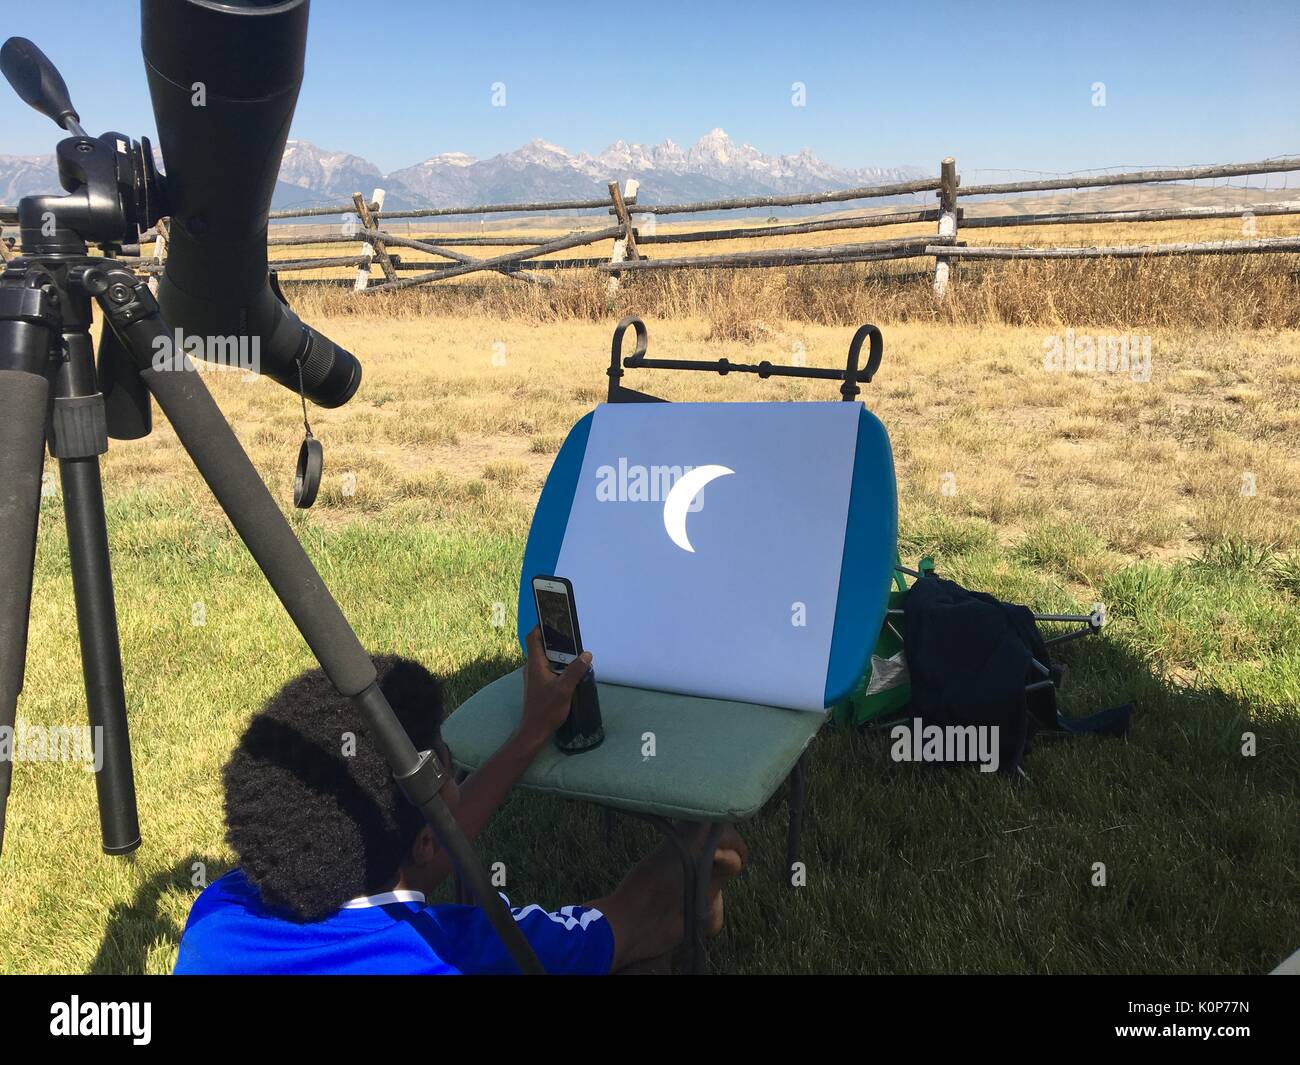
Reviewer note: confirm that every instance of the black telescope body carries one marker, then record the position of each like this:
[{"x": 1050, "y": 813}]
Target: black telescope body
[{"x": 224, "y": 79}]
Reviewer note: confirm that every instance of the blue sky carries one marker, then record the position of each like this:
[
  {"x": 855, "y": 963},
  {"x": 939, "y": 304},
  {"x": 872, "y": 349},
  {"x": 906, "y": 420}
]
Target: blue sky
[{"x": 998, "y": 85}]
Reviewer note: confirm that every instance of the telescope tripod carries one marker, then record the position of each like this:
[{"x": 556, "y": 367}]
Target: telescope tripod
[
  {"x": 49, "y": 390},
  {"x": 43, "y": 312}
]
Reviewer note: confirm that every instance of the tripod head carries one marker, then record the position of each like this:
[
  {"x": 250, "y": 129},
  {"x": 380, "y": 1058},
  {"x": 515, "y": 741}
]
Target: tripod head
[
  {"x": 112, "y": 189},
  {"x": 112, "y": 193}
]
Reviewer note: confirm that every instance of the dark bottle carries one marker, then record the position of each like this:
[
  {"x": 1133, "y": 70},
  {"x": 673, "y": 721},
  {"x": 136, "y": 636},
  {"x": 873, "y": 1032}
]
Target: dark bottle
[{"x": 582, "y": 729}]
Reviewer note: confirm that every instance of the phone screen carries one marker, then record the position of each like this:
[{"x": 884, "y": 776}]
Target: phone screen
[{"x": 556, "y": 618}]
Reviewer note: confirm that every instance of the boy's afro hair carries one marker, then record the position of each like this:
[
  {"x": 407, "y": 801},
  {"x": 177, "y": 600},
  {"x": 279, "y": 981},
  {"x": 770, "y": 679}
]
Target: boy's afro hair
[{"x": 312, "y": 810}]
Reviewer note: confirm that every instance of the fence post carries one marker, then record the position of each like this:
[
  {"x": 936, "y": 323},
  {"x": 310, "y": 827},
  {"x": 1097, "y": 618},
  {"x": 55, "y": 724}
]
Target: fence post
[
  {"x": 617, "y": 256},
  {"x": 625, "y": 246},
  {"x": 947, "y": 221},
  {"x": 620, "y": 209},
  {"x": 370, "y": 248}
]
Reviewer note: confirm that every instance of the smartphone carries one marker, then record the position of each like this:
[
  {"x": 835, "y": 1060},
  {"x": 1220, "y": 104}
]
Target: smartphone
[
  {"x": 583, "y": 729},
  {"x": 559, "y": 620}
]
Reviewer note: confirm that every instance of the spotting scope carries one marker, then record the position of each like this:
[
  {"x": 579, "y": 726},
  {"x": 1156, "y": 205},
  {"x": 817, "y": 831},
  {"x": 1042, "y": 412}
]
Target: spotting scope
[{"x": 224, "y": 79}]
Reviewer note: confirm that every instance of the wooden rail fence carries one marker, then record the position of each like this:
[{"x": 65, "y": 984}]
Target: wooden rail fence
[{"x": 632, "y": 229}]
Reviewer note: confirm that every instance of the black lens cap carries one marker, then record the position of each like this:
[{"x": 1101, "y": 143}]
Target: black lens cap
[{"x": 306, "y": 479}]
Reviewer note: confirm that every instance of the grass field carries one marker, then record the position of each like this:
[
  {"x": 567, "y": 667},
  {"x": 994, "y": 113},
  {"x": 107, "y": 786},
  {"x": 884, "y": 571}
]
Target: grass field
[{"x": 1176, "y": 500}]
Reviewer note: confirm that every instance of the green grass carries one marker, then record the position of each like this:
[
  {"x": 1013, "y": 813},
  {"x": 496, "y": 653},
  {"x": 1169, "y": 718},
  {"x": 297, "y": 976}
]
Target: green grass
[{"x": 910, "y": 868}]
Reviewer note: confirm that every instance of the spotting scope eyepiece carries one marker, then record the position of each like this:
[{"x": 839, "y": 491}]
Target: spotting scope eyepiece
[{"x": 224, "y": 80}]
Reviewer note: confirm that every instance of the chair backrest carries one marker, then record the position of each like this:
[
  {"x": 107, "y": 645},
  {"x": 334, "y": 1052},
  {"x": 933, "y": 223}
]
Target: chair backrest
[{"x": 734, "y": 550}]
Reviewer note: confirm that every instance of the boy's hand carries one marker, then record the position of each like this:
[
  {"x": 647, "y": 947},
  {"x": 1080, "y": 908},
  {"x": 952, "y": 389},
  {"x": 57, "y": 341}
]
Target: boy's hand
[{"x": 546, "y": 694}]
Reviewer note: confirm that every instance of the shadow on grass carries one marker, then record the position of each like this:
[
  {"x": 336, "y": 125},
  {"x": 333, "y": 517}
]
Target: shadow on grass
[
  {"x": 464, "y": 682},
  {"x": 943, "y": 871},
  {"x": 134, "y": 930},
  {"x": 915, "y": 868}
]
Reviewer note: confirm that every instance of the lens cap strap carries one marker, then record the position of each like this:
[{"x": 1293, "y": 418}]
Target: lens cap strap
[{"x": 311, "y": 456}]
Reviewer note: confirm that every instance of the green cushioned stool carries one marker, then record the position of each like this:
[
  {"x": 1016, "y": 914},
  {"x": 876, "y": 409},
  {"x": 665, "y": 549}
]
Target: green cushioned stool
[{"x": 714, "y": 761}]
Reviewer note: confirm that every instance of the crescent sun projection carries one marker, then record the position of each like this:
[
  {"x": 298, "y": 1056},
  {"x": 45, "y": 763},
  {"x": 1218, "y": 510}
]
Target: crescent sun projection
[{"x": 680, "y": 497}]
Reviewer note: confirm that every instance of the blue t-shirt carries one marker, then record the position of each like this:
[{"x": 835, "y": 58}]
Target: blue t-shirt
[{"x": 231, "y": 931}]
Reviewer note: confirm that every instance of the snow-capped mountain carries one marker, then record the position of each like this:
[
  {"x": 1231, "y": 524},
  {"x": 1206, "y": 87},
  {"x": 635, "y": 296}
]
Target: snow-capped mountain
[
  {"x": 24, "y": 175},
  {"x": 714, "y": 166},
  {"x": 337, "y": 173}
]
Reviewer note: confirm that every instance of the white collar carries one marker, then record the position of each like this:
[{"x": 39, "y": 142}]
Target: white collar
[{"x": 362, "y": 902}]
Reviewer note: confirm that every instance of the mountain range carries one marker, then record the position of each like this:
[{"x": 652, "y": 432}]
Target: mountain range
[{"x": 713, "y": 167}]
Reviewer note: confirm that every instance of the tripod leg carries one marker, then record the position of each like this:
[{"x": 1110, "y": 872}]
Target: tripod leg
[
  {"x": 101, "y": 655},
  {"x": 29, "y": 328},
  {"x": 24, "y": 399},
  {"x": 213, "y": 447},
  {"x": 78, "y": 440}
]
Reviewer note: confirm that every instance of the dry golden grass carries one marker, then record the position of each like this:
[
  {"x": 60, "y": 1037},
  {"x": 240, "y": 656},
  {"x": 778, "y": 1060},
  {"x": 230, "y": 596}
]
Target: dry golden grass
[
  {"x": 982, "y": 432},
  {"x": 445, "y": 425}
]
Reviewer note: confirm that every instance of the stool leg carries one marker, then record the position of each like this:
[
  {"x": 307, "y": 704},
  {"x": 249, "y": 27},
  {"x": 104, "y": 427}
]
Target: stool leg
[
  {"x": 683, "y": 849},
  {"x": 700, "y": 909},
  {"x": 697, "y": 873},
  {"x": 795, "y": 804}
]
